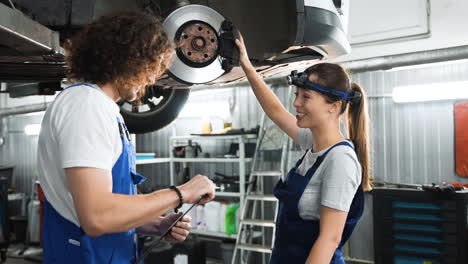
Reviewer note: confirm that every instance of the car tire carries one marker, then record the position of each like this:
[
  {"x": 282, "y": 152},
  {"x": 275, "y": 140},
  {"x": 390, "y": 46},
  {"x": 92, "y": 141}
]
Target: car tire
[{"x": 158, "y": 116}]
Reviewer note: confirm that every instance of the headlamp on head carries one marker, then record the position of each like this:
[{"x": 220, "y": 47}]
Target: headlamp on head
[
  {"x": 297, "y": 79},
  {"x": 301, "y": 80}
]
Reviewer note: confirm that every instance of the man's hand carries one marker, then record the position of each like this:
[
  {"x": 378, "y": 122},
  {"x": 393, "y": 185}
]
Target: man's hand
[
  {"x": 197, "y": 187},
  {"x": 178, "y": 233}
]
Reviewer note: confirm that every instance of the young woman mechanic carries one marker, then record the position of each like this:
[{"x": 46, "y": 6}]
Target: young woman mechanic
[
  {"x": 85, "y": 157},
  {"x": 321, "y": 199}
]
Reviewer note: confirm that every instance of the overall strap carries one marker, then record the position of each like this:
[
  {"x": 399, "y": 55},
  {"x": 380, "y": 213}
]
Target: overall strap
[
  {"x": 300, "y": 160},
  {"x": 123, "y": 129},
  {"x": 78, "y": 84},
  {"x": 320, "y": 158},
  {"x": 74, "y": 85}
]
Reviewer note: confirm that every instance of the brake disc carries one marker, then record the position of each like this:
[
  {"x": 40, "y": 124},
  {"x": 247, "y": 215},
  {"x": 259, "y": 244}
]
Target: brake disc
[{"x": 194, "y": 29}]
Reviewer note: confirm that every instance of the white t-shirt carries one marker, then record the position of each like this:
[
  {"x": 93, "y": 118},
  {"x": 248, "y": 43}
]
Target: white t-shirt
[
  {"x": 335, "y": 181},
  {"x": 79, "y": 129}
]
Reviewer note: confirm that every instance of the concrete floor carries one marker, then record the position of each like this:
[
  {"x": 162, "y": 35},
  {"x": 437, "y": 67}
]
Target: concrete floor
[
  {"x": 22, "y": 261},
  {"x": 14, "y": 255},
  {"x": 18, "y": 261},
  {"x": 12, "y": 259}
]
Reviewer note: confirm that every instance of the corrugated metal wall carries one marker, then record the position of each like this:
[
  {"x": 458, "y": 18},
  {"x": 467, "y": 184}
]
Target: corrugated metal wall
[
  {"x": 412, "y": 143},
  {"x": 20, "y": 150}
]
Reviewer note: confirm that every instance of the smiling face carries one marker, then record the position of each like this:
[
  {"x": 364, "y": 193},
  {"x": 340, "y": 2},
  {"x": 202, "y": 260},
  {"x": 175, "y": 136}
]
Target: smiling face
[{"x": 312, "y": 109}]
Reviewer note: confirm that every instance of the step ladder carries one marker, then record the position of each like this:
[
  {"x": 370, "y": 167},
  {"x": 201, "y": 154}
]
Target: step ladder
[{"x": 256, "y": 231}]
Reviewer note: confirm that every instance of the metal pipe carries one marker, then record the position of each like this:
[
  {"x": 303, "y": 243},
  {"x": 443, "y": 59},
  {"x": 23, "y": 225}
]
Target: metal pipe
[
  {"x": 370, "y": 64},
  {"x": 3, "y": 131},
  {"x": 407, "y": 59},
  {"x": 26, "y": 109},
  {"x": 279, "y": 81}
]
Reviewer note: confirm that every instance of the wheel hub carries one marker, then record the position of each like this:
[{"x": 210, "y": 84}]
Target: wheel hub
[{"x": 198, "y": 43}]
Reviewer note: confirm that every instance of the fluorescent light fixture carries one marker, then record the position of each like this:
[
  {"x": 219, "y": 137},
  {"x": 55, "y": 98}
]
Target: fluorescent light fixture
[
  {"x": 210, "y": 109},
  {"x": 32, "y": 129},
  {"x": 430, "y": 92}
]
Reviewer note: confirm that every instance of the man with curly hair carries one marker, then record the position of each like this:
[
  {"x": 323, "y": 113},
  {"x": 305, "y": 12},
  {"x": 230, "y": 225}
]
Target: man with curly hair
[{"x": 86, "y": 160}]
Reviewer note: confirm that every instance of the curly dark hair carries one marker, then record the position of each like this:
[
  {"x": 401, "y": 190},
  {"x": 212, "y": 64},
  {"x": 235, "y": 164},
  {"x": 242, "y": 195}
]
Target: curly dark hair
[{"x": 122, "y": 49}]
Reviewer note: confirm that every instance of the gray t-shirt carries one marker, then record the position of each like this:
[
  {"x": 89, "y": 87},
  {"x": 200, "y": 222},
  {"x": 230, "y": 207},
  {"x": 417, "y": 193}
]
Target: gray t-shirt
[{"x": 335, "y": 181}]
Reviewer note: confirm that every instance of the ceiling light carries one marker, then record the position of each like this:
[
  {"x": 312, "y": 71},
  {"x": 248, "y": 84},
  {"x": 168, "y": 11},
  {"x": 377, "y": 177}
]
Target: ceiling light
[
  {"x": 209, "y": 109},
  {"x": 32, "y": 129},
  {"x": 430, "y": 92}
]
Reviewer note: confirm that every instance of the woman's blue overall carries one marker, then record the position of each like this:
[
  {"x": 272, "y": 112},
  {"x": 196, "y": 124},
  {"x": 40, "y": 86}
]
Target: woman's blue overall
[
  {"x": 66, "y": 243},
  {"x": 296, "y": 236}
]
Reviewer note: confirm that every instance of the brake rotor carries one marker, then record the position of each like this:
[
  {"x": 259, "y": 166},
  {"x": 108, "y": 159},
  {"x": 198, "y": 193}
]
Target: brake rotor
[{"x": 194, "y": 29}]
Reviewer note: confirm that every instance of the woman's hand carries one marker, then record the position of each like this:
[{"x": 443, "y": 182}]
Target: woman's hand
[{"x": 243, "y": 56}]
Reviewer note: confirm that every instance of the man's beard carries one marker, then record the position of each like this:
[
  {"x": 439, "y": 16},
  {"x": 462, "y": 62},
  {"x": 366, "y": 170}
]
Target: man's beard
[{"x": 128, "y": 94}]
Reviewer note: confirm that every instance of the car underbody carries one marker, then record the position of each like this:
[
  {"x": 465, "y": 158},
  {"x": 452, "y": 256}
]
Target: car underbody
[{"x": 280, "y": 35}]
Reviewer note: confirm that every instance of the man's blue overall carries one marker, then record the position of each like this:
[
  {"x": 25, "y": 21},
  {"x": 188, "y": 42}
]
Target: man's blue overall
[{"x": 66, "y": 243}]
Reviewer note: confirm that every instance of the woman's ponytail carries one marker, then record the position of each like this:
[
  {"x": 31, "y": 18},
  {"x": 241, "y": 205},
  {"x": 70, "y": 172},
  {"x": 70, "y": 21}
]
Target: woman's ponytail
[
  {"x": 358, "y": 127},
  {"x": 333, "y": 75}
]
